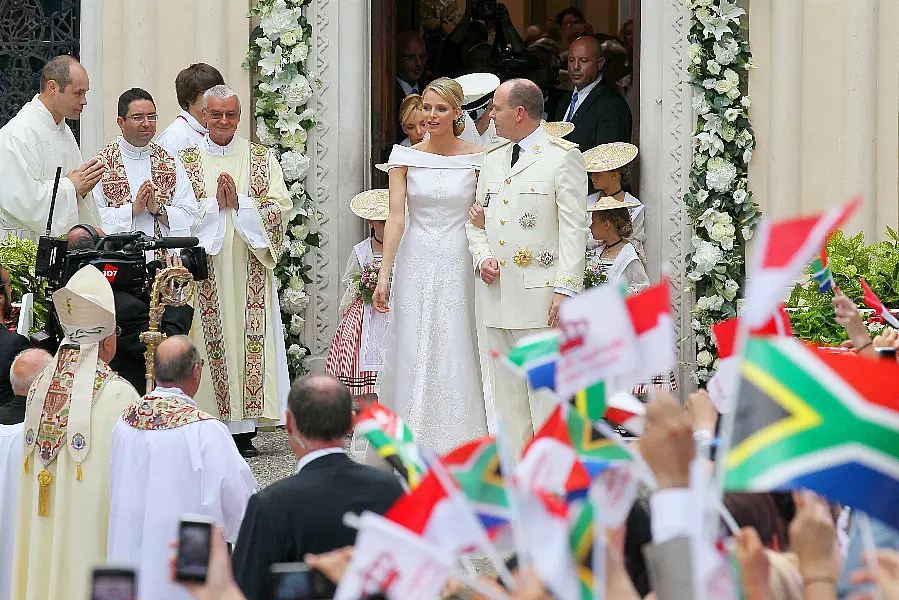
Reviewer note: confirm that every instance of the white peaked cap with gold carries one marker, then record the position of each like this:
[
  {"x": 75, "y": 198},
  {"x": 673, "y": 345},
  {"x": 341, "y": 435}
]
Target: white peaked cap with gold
[{"x": 86, "y": 311}]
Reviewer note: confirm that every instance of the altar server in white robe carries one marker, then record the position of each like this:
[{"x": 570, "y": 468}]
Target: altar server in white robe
[
  {"x": 37, "y": 141},
  {"x": 189, "y": 127},
  {"x": 170, "y": 458},
  {"x": 237, "y": 324},
  {"x": 63, "y": 510},
  {"x": 144, "y": 188}
]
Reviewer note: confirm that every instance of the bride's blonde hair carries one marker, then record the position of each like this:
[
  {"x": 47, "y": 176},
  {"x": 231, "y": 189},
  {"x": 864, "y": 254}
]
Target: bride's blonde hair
[{"x": 451, "y": 93}]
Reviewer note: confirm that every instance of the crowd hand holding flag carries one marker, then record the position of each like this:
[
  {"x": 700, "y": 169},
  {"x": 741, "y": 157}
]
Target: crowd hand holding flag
[
  {"x": 883, "y": 571},
  {"x": 703, "y": 414},
  {"x": 753, "y": 561},
  {"x": 813, "y": 540},
  {"x": 667, "y": 444},
  {"x": 850, "y": 319},
  {"x": 888, "y": 338}
]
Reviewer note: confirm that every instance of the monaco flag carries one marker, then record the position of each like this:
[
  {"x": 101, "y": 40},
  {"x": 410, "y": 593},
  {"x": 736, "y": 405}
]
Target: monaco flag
[
  {"x": 874, "y": 302},
  {"x": 783, "y": 249},
  {"x": 550, "y": 462},
  {"x": 390, "y": 560},
  {"x": 607, "y": 337},
  {"x": 722, "y": 385}
]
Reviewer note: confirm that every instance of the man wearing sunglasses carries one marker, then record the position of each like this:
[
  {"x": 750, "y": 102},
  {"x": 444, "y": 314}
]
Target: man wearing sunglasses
[{"x": 144, "y": 188}]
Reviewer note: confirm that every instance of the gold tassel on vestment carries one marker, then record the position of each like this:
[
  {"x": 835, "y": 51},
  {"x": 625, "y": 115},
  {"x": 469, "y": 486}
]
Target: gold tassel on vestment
[
  {"x": 26, "y": 465},
  {"x": 43, "y": 494},
  {"x": 78, "y": 472}
]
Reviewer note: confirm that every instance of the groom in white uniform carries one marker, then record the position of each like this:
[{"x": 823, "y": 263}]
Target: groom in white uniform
[{"x": 533, "y": 188}]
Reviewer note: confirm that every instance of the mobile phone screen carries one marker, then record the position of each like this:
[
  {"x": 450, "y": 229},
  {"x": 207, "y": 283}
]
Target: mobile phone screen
[
  {"x": 296, "y": 581},
  {"x": 193, "y": 550},
  {"x": 292, "y": 586},
  {"x": 114, "y": 584}
]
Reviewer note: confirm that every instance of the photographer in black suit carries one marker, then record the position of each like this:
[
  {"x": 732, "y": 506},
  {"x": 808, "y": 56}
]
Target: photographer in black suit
[
  {"x": 132, "y": 317},
  {"x": 304, "y": 513},
  {"x": 11, "y": 343}
]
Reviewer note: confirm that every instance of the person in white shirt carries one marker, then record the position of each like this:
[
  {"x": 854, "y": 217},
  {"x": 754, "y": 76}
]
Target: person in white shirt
[
  {"x": 35, "y": 143},
  {"x": 144, "y": 188},
  {"x": 480, "y": 129},
  {"x": 189, "y": 127},
  {"x": 607, "y": 166},
  {"x": 170, "y": 458}
]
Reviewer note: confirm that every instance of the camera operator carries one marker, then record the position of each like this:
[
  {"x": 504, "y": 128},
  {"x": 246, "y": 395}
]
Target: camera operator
[
  {"x": 133, "y": 317},
  {"x": 455, "y": 59}
]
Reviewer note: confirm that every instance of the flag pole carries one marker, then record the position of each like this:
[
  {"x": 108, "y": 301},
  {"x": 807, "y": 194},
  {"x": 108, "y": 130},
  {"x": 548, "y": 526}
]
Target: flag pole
[
  {"x": 507, "y": 466},
  {"x": 600, "y": 541},
  {"x": 446, "y": 481}
]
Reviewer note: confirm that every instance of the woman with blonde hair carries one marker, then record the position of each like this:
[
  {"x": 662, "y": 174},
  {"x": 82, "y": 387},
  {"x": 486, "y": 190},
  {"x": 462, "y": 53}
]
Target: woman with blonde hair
[
  {"x": 431, "y": 368},
  {"x": 412, "y": 119}
]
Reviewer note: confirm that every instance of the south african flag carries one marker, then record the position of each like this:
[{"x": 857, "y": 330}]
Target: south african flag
[
  {"x": 476, "y": 467},
  {"x": 821, "y": 273},
  {"x": 826, "y": 422},
  {"x": 392, "y": 438},
  {"x": 580, "y": 540}
]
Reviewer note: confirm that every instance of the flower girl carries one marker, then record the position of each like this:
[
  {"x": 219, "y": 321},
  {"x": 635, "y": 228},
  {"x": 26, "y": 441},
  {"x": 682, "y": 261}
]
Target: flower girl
[{"x": 355, "y": 354}]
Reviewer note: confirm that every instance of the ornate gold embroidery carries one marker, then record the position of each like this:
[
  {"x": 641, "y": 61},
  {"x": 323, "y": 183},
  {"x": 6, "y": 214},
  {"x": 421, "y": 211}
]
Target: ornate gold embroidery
[
  {"x": 152, "y": 413},
  {"x": 255, "y": 339},
  {"x": 523, "y": 257},
  {"x": 568, "y": 281}
]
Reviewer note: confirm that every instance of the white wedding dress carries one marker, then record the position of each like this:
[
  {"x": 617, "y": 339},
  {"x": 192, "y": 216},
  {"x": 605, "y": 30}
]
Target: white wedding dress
[{"x": 431, "y": 375}]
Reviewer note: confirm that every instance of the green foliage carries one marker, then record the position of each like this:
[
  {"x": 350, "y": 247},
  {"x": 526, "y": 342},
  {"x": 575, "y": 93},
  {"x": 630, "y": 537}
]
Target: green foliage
[
  {"x": 18, "y": 257},
  {"x": 850, "y": 260}
]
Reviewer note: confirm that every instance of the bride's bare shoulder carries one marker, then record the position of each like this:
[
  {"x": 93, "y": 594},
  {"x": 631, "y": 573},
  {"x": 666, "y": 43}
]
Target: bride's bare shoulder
[{"x": 468, "y": 148}]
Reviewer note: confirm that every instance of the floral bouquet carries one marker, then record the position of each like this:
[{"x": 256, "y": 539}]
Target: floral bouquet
[
  {"x": 367, "y": 280},
  {"x": 594, "y": 273}
]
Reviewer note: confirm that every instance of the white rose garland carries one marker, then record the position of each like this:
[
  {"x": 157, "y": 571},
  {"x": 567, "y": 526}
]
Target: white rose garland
[
  {"x": 720, "y": 205},
  {"x": 278, "y": 52}
]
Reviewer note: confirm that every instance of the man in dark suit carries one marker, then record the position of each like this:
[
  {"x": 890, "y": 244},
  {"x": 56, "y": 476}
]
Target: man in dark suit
[
  {"x": 304, "y": 513},
  {"x": 411, "y": 58},
  {"x": 599, "y": 113},
  {"x": 11, "y": 344},
  {"x": 27, "y": 365}
]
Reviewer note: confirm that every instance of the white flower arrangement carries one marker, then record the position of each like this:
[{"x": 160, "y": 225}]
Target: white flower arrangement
[
  {"x": 720, "y": 205},
  {"x": 278, "y": 53}
]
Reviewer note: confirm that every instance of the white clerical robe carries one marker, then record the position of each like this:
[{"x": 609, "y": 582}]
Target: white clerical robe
[
  {"x": 10, "y": 475},
  {"x": 54, "y": 554},
  {"x": 237, "y": 323},
  {"x": 117, "y": 191},
  {"x": 184, "y": 131},
  {"x": 169, "y": 459},
  {"x": 32, "y": 146}
]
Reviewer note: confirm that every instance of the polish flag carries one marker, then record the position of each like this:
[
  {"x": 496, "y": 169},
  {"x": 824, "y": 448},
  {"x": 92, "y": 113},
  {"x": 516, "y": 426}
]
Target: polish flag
[
  {"x": 783, "y": 249},
  {"x": 721, "y": 386},
  {"x": 874, "y": 302}
]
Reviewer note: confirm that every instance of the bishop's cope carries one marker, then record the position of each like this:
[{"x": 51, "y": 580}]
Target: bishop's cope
[
  {"x": 237, "y": 322},
  {"x": 72, "y": 407}
]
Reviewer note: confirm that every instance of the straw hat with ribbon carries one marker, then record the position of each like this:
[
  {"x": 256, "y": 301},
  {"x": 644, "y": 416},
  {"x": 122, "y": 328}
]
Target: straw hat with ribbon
[
  {"x": 608, "y": 157},
  {"x": 557, "y": 129},
  {"x": 373, "y": 205},
  {"x": 610, "y": 203}
]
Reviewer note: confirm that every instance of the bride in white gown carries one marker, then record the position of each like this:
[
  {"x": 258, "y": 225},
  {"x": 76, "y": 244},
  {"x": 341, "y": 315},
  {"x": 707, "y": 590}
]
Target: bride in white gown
[{"x": 431, "y": 375}]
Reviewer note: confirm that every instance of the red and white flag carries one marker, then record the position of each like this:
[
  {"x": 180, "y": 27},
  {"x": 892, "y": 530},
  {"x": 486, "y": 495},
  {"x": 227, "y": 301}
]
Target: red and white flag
[
  {"x": 874, "y": 302},
  {"x": 783, "y": 249},
  {"x": 549, "y": 462},
  {"x": 607, "y": 337},
  {"x": 721, "y": 386},
  {"x": 545, "y": 526},
  {"x": 623, "y": 408},
  {"x": 390, "y": 559},
  {"x": 445, "y": 520}
]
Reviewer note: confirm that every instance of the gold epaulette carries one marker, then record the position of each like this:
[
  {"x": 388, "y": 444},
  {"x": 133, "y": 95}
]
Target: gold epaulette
[
  {"x": 563, "y": 143},
  {"x": 499, "y": 145}
]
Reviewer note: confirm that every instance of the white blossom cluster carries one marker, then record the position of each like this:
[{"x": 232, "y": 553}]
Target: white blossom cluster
[
  {"x": 279, "y": 50},
  {"x": 724, "y": 215}
]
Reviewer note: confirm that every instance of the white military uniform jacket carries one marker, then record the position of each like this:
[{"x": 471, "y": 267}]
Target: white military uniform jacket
[{"x": 535, "y": 215}]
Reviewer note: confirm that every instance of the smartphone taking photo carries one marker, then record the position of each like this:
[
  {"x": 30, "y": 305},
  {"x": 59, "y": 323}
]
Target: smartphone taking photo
[
  {"x": 114, "y": 583},
  {"x": 297, "y": 581},
  {"x": 194, "y": 543}
]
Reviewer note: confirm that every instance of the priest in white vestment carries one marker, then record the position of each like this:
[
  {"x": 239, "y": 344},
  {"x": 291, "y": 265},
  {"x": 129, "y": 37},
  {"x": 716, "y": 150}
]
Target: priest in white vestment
[
  {"x": 237, "y": 322},
  {"x": 144, "y": 188},
  {"x": 189, "y": 127},
  {"x": 37, "y": 141},
  {"x": 63, "y": 510},
  {"x": 169, "y": 458}
]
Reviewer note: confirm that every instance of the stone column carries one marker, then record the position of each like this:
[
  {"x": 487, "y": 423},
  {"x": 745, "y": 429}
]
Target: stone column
[
  {"x": 666, "y": 122},
  {"x": 825, "y": 100}
]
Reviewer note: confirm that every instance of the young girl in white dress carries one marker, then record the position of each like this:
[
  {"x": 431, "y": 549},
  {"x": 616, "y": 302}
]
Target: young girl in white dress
[
  {"x": 611, "y": 225},
  {"x": 607, "y": 165},
  {"x": 356, "y": 351},
  {"x": 431, "y": 375}
]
